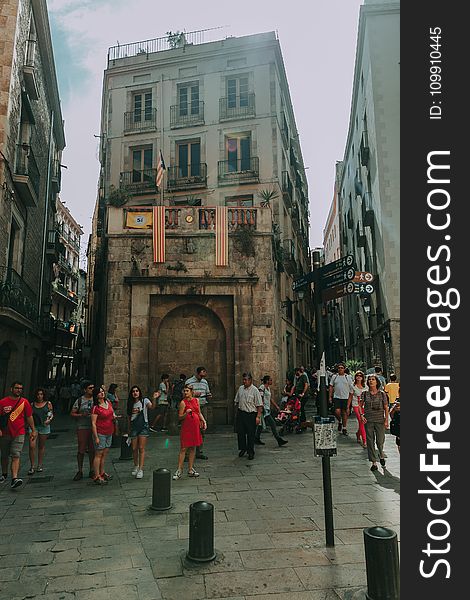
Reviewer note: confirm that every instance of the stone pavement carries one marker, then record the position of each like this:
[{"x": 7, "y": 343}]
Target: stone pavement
[{"x": 67, "y": 540}]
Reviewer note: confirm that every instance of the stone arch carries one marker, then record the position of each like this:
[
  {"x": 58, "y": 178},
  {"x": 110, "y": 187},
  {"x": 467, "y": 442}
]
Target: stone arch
[{"x": 192, "y": 335}]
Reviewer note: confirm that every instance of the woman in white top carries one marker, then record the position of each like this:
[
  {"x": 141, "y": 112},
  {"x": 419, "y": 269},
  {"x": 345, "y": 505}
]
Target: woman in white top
[
  {"x": 138, "y": 421},
  {"x": 359, "y": 386}
]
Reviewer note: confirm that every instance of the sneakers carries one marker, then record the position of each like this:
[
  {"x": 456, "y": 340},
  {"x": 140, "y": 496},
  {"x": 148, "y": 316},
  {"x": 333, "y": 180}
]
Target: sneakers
[
  {"x": 177, "y": 475},
  {"x": 3, "y": 478},
  {"x": 31, "y": 471},
  {"x": 163, "y": 429},
  {"x": 282, "y": 442},
  {"x": 39, "y": 469},
  {"x": 98, "y": 481},
  {"x": 106, "y": 476},
  {"x": 139, "y": 474},
  {"x": 382, "y": 462},
  {"x": 17, "y": 482},
  {"x": 193, "y": 473},
  {"x": 154, "y": 429},
  {"x": 374, "y": 468},
  {"x": 135, "y": 470}
]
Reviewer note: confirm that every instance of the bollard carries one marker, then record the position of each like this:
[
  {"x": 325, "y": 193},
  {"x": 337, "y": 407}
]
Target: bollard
[
  {"x": 201, "y": 532},
  {"x": 126, "y": 451},
  {"x": 382, "y": 564},
  {"x": 116, "y": 441},
  {"x": 161, "y": 492}
]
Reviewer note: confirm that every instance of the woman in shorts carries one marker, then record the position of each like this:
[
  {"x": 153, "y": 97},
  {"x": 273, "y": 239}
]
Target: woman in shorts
[
  {"x": 138, "y": 421},
  {"x": 42, "y": 416},
  {"x": 102, "y": 428}
]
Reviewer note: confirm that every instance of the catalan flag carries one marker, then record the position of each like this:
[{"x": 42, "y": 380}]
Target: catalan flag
[
  {"x": 160, "y": 170},
  {"x": 159, "y": 234},
  {"x": 221, "y": 236}
]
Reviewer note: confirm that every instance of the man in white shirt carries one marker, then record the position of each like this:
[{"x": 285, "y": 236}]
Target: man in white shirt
[
  {"x": 249, "y": 409},
  {"x": 341, "y": 392}
]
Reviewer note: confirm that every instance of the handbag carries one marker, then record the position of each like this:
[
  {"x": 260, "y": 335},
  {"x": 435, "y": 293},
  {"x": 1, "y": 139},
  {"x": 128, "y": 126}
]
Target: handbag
[{"x": 5, "y": 417}]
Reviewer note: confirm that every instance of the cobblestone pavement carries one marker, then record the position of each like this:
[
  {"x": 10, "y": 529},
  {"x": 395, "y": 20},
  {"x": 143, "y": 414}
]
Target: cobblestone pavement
[{"x": 61, "y": 539}]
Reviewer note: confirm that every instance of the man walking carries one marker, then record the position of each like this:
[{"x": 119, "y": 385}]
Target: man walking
[
  {"x": 16, "y": 411},
  {"x": 265, "y": 391},
  {"x": 249, "y": 409},
  {"x": 340, "y": 394},
  {"x": 301, "y": 385},
  {"x": 81, "y": 412},
  {"x": 202, "y": 392}
]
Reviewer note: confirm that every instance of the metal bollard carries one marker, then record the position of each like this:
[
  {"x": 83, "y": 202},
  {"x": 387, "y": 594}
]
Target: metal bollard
[
  {"x": 201, "y": 532},
  {"x": 382, "y": 564},
  {"x": 161, "y": 492},
  {"x": 126, "y": 451}
]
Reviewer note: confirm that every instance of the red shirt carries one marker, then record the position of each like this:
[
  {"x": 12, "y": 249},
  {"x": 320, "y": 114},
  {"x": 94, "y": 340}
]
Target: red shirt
[
  {"x": 16, "y": 424},
  {"x": 105, "y": 419}
]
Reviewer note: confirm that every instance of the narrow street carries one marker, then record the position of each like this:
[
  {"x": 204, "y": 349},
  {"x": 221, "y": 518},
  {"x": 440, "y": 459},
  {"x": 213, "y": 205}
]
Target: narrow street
[{"x": 71, "y": 540}]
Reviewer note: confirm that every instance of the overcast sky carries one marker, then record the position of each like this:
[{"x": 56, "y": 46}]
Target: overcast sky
[{"x": 318, "y": 40}]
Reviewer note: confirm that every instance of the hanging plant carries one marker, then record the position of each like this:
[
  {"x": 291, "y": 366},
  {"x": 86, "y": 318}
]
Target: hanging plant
[
  {"x": 244, "y": 238},
  {"x": 117, "y": 197}
]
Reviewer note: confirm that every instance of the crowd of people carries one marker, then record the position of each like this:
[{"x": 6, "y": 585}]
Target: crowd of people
[{"x": 97, "y": 413}]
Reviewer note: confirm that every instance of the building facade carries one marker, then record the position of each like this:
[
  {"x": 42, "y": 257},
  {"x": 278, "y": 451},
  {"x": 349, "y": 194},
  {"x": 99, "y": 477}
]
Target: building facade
[
  {"x": 221, "y": 115},
  {"x": 369, "y": 189},
  {"x": 31, "y": 143}
]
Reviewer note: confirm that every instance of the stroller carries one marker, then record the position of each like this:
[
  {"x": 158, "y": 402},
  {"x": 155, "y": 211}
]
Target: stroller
[{"x": 289, "y": 417}]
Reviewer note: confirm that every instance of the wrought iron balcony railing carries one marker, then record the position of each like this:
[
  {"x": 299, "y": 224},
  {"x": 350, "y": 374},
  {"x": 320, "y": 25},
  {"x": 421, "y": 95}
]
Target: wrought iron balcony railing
[
  {"x": 26, "y": 165},
  {"x": 242, "y": 170},
  {"x": 237, "y": 107},
  {"x": 187, "y": 176},
  {"x": 17, "y": 295},
  {"x": 287, "y": 188},
  {"x": 142, "y": 120},
  {"x": 138, "y": 182},
  {"x": 187, "y": 115}
]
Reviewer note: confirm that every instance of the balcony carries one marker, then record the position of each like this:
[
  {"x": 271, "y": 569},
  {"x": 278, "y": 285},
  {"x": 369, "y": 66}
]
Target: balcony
[
  {"x": 17, "y": 295},
  {"x": 187, "y": 177},
  {"x": 289, "y": 253},
  {"x": 56, "y": 175},
  {"x": 29, "y": 71},
  {"x": 237, "y": 107},
  {"x": 64, "y": 264},
  {"x": 287, "y": 189},
  {"x": 187, "y": 116},
  {"x": 68, "y": 238},
  {"x": 139, "y": 121},
  {"x": 26, "y": 175},
  {"x": 245, "y": 170},
  {"x": 295, "y": 215},
  {"x": 54, "y": 246},
  {"x": 139, "y": 182},
  {"x": 60, "y": 289},
  {"x": 367, "y": 210},
  {"x": 364, "y": 149}
]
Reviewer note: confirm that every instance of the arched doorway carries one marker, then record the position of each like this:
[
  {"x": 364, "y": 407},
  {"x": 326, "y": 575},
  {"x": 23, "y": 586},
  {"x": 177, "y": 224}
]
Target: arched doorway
[{"x": 189, "y": 336}]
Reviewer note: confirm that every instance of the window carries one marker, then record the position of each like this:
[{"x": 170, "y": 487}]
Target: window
[
  {"x": 142, "y": 107},
  {"x": 142, "y": 160},
  {"x": 15, "y": 250},
  {"x": 235, "y": 201},
  {"x": 238, "y": 153},
  {"x": 188, "y": 99},
  {"x": 237, "y": 92},
  {"x": 189, "y": 158}
]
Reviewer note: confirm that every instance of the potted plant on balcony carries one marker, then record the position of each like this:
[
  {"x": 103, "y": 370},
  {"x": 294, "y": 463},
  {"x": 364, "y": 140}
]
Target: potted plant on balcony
[
  {"x": 266, "y": 196},
  {"x": 117, "y": 197},
  {"x": 244, "y": 238}
]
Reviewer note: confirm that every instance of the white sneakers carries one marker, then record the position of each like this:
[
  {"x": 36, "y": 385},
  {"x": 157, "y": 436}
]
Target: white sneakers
[
  {"x": 177, "y": 474},
  {"x": 137, "y": 473},
  {"x": 193, "y": 473}
]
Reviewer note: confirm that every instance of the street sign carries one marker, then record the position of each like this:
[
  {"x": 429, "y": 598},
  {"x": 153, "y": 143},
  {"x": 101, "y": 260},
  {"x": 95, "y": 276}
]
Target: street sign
[
  {"x": 336, "y": 278},
  {"x": 338, "y": 291},
  {"x": 324, "y": 439},
  {"x": 364, "y": 288},
  {"x": 304, "y": 280},
  {"x": 363, "y": 277},
  {"x": 337, "y": 265}
]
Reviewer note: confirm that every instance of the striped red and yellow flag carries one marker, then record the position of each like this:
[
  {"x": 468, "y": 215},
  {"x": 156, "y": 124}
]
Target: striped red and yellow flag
[
  {"x": 159, "y": 234},
  {"x": 221, "y": 236}
]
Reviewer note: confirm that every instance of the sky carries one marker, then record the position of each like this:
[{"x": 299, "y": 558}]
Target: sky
[{"x": 318, "y": 41}]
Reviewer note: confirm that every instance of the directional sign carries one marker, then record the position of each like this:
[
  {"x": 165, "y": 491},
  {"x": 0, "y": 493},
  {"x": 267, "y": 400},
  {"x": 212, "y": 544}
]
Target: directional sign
[
  {"x": 337, "y": 278},
  {"x": 304, "y": 280},
  {"x": 338, "y": 291},
  {"x": 337, "y": 265},
  {"x": 363, "y": 277},
  {"x": 364, "y": 288}
]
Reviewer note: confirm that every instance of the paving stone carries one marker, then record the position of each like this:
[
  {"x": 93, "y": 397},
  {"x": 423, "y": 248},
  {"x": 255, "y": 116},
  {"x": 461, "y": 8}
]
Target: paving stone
[
  {"x": 252, "y": 583},
  {"x": 123, "y": 592},
  {"x": 76, "y": 583},
  {"x": 255, "y": 541},
  {"x": 129, "y": 576},
  {"x": 310, "y": 595},
  {"x": 104, "y": 565},
  {"x": 323, "y": 577},
  {"x": 177, "y": 588},
  {"x": 289, "y": 557}
]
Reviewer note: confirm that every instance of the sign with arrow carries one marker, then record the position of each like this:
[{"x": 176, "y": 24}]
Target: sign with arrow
[
  {"x": 364, "y": 288},
  {"x": 363, "y": 277},
  {"x": 337, "y": 265},
  {"x": 304, "y": 280},
  {"x": 338, "y": 291},
  {"x": 338, "y": 277}
]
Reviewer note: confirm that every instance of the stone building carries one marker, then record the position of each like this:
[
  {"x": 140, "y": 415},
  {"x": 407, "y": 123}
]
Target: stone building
[
  {"x": 66, "y": 297},
  {"x": 221, "y": 115},
  {"x": 31, "y": 143},
  {"x": 369, "y": 197}
]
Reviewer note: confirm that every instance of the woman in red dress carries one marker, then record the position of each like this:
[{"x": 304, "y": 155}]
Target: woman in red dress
[{"x": 192, "y": 422}]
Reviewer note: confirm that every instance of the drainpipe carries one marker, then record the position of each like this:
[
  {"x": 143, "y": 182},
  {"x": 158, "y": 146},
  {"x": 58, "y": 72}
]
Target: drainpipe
[{"x": 46, "y": 210}]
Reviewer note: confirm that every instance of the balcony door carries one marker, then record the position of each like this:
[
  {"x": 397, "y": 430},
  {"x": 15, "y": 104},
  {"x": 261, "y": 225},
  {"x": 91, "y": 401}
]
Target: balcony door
[
  {"x": 238, "y": 153},
  {"x": 142, "y": 161},
  {"x": 142, "y": 107},
  {"x": 237, "y": 92},
  {"x": 189, "y": 159},
  {"x": 188, "y": 99}
]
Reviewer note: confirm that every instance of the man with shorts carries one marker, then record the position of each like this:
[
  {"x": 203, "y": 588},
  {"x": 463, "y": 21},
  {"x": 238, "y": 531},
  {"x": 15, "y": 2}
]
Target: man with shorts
[
  {"x": 81, "y": 412},
  {"x": 340, "y": 394},
  {"x": 12, "y": 433}
]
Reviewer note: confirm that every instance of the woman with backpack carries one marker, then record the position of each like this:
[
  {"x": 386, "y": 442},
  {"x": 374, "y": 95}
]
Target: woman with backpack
[
  {"x": 374, "y": 403},
  {"x": 138, "y": 426},
  {"x": 42, "y": 416}
]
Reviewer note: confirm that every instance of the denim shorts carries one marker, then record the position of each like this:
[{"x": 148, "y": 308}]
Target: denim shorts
[
  {"x": 144, "y": 432},
  {"x": 105, "y": 442}
]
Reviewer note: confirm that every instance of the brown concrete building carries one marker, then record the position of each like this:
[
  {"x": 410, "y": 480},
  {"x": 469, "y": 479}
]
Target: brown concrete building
[
  {"x": 221, "y": 114},
  {"x": 31, "y": 143}
]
